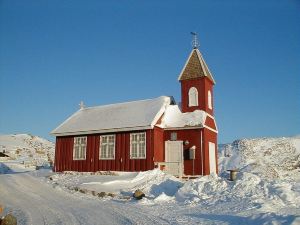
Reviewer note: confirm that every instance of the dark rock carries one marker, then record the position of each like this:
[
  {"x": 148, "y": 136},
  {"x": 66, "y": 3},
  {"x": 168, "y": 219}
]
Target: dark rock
[
  {"x": 138, "y": 194},
  {"x": 84, "y": 191},
  {"x": 101, "y": 194},
  {"x": 111, "y": 195},
  {"x": 9, "y": 220}
]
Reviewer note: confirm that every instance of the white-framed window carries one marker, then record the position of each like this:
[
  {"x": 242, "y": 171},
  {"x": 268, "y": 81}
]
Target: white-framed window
[
  {"x": 193, "y": 97},
  {"x": 209, "y": 99},
  {"x": 138, "y": 145},
  {"x": 107, "y": 146},
  {"x": 79, "y": 148}
]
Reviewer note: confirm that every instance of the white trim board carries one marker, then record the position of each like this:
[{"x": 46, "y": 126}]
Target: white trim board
[{"x": 115, "y": 130}]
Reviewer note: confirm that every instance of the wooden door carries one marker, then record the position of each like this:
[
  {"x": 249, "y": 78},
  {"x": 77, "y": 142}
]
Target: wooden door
[
  {"x": 174, "y": 157},
  {"x": 212, "y": 157}
]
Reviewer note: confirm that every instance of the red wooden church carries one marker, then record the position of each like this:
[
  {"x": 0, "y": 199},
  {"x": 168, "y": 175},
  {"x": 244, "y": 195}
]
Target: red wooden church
[{"x": 142, "y": 135}]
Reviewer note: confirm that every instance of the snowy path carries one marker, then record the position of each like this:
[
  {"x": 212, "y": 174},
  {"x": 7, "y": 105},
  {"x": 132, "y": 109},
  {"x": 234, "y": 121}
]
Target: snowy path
[{"x": 35, "y": 202}]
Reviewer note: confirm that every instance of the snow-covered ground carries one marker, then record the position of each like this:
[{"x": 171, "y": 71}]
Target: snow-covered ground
[{"x": 267, "y": 191}]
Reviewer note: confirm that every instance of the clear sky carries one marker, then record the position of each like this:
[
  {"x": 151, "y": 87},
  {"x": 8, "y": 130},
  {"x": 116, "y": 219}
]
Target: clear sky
[{"x": 53, "y": 54}]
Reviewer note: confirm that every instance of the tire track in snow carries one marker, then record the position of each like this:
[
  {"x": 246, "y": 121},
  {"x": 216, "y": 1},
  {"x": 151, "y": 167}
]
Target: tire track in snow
[
  {"x": 40, "y": 203},
  {"x": 43, "y": 204}
]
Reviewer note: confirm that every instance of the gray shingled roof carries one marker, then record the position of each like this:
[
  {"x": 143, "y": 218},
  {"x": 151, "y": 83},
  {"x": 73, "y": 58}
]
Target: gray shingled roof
[
  {"x": 195, "y": 67},
  {"x": 134, "y": 115}
]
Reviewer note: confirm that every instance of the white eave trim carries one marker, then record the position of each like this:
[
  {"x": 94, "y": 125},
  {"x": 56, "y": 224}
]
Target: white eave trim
[
  {"x": 211, "y": 129},
  {"x": 113, "y": 130},
  {"x": 181, "y": 128},
  {"x": 202, "y": 62},
  {"x": 214, "y": 122}
]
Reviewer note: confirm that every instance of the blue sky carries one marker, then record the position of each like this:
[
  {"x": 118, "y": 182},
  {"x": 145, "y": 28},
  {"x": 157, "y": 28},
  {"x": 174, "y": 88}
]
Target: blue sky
[{"x": 53, "y": 54}]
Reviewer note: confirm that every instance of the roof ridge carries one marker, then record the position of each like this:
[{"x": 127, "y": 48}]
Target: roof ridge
[
  {"x": 121, "y": 103},
  {"x": 206, "y": 70}
]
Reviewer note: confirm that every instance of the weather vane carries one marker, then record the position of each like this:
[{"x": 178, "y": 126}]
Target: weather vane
[{"x": 195, "y": 42}]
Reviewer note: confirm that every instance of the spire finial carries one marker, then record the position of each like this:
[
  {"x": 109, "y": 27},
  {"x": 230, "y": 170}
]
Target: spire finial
[
  {"x": 195, "y": 42},
  {"x": 81, "y": 105}
]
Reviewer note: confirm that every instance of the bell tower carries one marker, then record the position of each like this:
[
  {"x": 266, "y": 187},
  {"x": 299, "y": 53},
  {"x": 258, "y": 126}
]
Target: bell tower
[{"x": 196, "y": 83}]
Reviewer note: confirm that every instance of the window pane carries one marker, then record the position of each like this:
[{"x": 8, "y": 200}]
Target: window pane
[
  {"x": 138, "y": 145},
  {"x": 84, "y": 152},
  {"x": 107, "y": 146},
  {"x": 76, "y": 152},
  {"x": 79, "y": 152}
]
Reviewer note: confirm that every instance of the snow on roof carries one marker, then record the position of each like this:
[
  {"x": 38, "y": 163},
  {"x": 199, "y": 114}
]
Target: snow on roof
[
  {"x": 174, "y": 118},
  {"x": 135, "y": 115}
]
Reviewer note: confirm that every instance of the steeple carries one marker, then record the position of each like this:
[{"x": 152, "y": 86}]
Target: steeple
[
  {"x": 195, "y": 67},
  {"x": 196, "y": 82}
]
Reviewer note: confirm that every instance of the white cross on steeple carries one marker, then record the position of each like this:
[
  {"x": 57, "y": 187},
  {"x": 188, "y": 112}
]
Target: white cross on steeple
[{"x": 81, "y": 105}]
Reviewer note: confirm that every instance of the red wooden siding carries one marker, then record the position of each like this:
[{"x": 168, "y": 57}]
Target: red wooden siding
[
  {"x": 194, "y": 138},
  {"x": 210, "y": 123},
  {"x": 209, "y": 136},
  {"x": 202, "y": 84},
  {"x": 122, "y": 162},
  {"x": 158, "y": 144}
]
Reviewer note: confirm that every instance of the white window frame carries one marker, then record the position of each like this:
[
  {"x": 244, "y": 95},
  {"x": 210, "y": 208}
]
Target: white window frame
[
  {"x": 193, "y": 97},
  {"x": 139, "y": 152},
  {"x": 106, "y": 156},
  {"x": 209, "y": 99},
  {"x": 80, "y": 144}
]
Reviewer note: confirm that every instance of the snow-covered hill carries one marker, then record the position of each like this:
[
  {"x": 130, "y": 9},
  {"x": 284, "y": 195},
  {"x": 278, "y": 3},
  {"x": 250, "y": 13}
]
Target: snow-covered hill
[
  {"x": 32, "y": 150},
  {"x": 270, "y": 158}
]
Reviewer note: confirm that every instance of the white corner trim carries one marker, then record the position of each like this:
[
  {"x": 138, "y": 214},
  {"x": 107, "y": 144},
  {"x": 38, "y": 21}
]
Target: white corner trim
[
  {"x": 211, "y": 129},
  {"x": 210, "y": 116}
]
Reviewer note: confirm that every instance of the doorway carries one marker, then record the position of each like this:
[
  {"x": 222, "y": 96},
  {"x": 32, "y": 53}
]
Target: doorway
[
  {"x": 212, "y": 157},
  {"x": 174, "y": 157}
]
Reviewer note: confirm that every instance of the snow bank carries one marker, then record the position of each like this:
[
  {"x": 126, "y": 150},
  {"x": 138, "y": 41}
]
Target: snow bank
[
  {"x": 212, "y": 189},
  {"x": 175, "y": 118},
  {"x": 153, "y": 183},
  {"x": 248, "y": 191}
]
